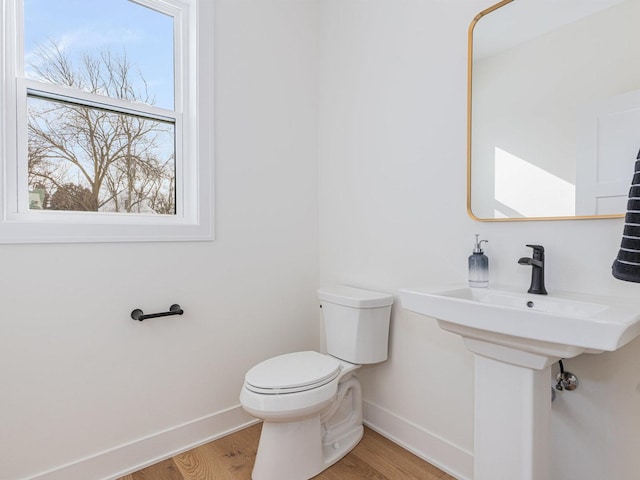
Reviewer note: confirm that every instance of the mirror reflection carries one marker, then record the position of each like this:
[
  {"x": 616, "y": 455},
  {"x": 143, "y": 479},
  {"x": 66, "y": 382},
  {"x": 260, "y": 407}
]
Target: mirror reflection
[{"x": 554, "y": 100}]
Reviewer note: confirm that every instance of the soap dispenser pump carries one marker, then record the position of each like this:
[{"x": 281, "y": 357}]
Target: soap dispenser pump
[{"x": 478, "y": 265}]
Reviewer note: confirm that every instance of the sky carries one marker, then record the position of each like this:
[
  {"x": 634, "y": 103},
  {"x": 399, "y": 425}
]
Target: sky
[{"x": 92, "y": 26}]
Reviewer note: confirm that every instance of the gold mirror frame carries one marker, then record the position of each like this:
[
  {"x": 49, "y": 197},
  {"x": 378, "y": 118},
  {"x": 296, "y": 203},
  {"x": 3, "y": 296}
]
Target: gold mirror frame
[{"x": 469, "y": 106}]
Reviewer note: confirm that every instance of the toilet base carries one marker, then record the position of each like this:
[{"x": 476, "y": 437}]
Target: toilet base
[
  {"x": 289, "y": 450},
  {"x": 294, "y": 451},
  {"x": 301, "y": 449},
  {"x": 337, "y": 449}
]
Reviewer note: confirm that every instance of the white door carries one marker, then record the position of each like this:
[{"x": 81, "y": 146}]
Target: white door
[{"x": 608, "y": 136}]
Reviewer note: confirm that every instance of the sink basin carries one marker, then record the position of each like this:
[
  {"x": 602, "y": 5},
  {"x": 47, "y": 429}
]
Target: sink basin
[{"x": 559, "y": 325}]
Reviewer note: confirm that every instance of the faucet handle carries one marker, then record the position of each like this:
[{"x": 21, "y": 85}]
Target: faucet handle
[{"x": 538, "y": 252}]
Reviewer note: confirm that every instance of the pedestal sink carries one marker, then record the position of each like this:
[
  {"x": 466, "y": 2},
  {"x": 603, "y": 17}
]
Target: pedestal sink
[{"x": 516, "y": 337}]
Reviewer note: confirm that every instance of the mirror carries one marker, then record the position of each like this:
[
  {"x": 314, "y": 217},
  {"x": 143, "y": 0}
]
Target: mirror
[{"x": 554, "y": 109}]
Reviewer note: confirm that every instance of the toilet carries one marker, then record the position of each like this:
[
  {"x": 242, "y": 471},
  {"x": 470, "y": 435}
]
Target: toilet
[{"x": 311, "y": 403}]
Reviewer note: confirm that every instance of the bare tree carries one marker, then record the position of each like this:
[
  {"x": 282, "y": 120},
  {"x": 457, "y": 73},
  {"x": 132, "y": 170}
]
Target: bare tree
[{"x": 115, "y": 162}]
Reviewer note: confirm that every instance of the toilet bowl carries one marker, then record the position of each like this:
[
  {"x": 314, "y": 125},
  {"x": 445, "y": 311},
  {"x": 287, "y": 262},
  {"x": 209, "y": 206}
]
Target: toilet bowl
[
  {"x": 311, "y": 403},
  {"x": 296, "y": 442}
]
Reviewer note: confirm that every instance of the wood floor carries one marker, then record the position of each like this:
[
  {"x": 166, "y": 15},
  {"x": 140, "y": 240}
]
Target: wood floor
[{"x": 232, "y": 457}]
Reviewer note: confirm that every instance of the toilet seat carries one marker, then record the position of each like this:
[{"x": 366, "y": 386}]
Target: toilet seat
[{"x": 292, "y": 373}]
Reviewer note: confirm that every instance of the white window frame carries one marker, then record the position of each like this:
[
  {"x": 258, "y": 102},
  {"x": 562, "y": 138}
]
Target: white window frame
[{"x": 193, "y": 117}]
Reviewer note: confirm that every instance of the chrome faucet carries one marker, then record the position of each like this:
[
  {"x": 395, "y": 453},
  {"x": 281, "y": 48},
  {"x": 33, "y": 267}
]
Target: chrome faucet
[{"x": 537, "y": 269}]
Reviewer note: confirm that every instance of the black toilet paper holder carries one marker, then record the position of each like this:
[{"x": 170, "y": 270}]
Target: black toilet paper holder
[{"x": 139, "y": 315}]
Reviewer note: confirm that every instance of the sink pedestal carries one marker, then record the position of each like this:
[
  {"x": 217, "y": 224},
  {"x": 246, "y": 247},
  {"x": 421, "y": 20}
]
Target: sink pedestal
[
  {"x": 512, "y": 421},
  {"x": 512, "y": 410}
]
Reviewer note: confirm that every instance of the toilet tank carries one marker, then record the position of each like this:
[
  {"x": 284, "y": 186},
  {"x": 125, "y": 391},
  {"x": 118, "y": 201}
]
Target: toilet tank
[{"x": 356, "y": 323}]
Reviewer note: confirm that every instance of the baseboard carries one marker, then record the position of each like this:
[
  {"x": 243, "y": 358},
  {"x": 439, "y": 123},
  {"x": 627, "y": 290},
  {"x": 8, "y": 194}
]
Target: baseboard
[
  {"x": 122, "y": 460},
  {"x": 133, "y": 456},
  {"x": 450, "y": 458}
]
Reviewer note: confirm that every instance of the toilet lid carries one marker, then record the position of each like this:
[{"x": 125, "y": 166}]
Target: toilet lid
[{"x": 292, "y": 372}]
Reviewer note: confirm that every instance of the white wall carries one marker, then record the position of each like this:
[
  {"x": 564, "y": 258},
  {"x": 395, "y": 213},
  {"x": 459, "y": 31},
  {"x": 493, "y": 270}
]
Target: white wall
[
  {"x": 392, "y": 214},
  {"x": 80, "y": 379}
]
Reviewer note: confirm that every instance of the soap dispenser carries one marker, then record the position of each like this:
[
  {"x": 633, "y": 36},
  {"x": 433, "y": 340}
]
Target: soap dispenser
[{"x": 478, "y": 266}]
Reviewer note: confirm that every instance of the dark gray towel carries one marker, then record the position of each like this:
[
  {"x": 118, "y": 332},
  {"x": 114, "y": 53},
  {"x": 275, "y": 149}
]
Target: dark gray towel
[{"x": 627, "y": 265}]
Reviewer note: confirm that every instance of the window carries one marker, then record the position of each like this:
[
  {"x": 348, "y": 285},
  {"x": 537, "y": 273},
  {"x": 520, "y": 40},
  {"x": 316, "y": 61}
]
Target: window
[{"x": 100, "y": 131}]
